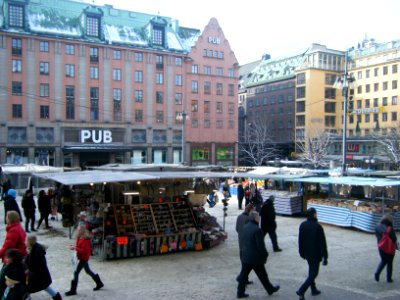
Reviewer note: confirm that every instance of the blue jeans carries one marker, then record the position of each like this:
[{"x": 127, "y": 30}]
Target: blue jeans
[{"x": 83, "y": 265}]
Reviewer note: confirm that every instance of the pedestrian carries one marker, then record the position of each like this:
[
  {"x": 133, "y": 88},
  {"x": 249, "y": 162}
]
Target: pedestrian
[
  {"x": 29, "y": 207},
  {"x": 268, "y": 222},
  {"x": 385, "y": 227},
  {"x": 14, "y": 262},
  {"x": 241, "y": 220},
  {"x": 10, "y": 203},
  {"x": 247, "y": 194},
  {"x": 6, "y": 186},
  {"x": 16, "y": 289},
  {"x": 44, "y": 203},
  {"x": 39, "y": 277},
  {"x": 254, "y": 256},
  {"x": 15, "y": 236},
  {"x": 240, "y": 194},
  {"x": 83, "y": 252},
  {"x": 226, "y": 190},
  {"x": 312, "y": 247}
]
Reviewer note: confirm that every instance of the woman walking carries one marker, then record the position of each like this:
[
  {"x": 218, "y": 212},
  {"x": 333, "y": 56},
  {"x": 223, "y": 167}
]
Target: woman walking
[
  {"x": 29, "y": 207},
  {"x": 385, "y": 227},
  {"x": 44, "y": 208},
  {"x": 83, "y": 251}
]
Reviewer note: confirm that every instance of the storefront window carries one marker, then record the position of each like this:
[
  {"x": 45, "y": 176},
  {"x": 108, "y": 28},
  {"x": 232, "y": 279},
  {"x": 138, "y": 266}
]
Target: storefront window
[
  {"x": 200, "y": 153},
  {"x": 44, "y": 157},
  {"x": 138, "y": 136},
  {"x": 224, "y": 153},
  {"x": 177, "y": 157},
  {"x": 68, "y": 160},
  {"x": 17, "y": 156},
  {"x": 139, "y": 157},
  {"x": 159, "y": 136},
  {"x": 159, "y": 156}
]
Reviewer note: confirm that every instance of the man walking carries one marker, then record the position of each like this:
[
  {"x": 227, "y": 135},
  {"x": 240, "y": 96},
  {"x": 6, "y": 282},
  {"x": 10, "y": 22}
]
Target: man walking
[
  {"x": 254, "y": 256},
  {"x": 312, "y": 247},
  {"x": 240, "y": 194},
  {"x": 268, "y": 223}
]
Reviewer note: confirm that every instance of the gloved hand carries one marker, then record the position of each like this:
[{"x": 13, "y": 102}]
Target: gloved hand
[{"x": 325, "y": 262}]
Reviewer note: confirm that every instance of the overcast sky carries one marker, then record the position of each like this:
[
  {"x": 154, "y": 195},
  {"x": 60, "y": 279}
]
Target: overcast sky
[{"x": 280, "y": 27}]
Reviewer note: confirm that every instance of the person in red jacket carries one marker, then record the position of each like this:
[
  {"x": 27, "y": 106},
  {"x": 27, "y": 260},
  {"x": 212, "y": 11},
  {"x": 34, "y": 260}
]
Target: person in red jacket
[
  {"x": 15, "y": 236},
  {"x": 83, "y": 251}
]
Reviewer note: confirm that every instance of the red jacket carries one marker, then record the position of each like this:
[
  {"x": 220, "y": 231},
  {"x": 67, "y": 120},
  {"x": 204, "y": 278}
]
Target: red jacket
[
  {"x": 83, "y": 249},
  {"x": 15, "y": 239}
]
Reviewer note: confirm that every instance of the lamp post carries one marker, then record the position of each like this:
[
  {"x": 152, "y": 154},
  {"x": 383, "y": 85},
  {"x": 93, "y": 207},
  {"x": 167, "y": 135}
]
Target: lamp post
[
  {"x": 182, "y": 118},
  {"x": 345, "y": 83}
]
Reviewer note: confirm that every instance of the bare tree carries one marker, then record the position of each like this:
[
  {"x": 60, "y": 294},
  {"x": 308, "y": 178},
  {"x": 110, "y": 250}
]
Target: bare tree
[
  {"x": 257, "y": 146},
  {"x": 390, "y": 143},
  {"x": 315, "y": 147}
]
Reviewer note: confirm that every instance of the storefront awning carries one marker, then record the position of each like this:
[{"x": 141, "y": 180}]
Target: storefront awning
[
  {"x": 351, "y": 180},
  {"x": 96, "y": 148}
]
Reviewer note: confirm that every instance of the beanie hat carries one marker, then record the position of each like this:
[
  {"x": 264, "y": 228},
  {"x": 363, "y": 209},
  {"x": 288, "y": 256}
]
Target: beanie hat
[
  {"x": 14, "y": 276},
  {"x": 12, "y": 193}
]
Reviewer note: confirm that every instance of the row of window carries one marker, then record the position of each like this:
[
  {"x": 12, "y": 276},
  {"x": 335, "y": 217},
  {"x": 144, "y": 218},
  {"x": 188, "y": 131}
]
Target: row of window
[
  {"x": 207, "y": 107},
  {"x": 376, "y": 102},
  {"x": 375, "y": 117},
  {"x": 385, "y": 87},
  {"x": 208, "y": 71},
  {"x": 385, "y": 71},
  {"x": 270, "y": 100}
]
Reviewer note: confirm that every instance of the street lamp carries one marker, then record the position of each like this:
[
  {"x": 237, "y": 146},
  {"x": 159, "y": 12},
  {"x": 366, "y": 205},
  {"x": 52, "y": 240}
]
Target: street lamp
[
  {"x": 181, "y": 117},
  {"x": 345, "y": 83}
]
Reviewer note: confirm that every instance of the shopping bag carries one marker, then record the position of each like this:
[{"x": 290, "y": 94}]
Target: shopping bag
[{"x": 386, "y": 244}]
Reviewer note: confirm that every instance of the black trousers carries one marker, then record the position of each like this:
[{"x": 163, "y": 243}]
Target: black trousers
[
  {"x": 313, "y": 269},
  {"x": 386, "y": 260},
  {"x": 261, "y": 274},
  {"x": 273, "y": 237},
  {"x": 29, "y": 217},
  {"x": 44, "y": 217},
  {"x": 240, "y": 202}
]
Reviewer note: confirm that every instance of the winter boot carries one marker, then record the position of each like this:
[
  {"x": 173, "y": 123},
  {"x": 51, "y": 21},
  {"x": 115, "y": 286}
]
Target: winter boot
[
  {"x": 99, "y": 284},
  {"x": 72, "y": 291},
  {"x": 57, "y": 297}
]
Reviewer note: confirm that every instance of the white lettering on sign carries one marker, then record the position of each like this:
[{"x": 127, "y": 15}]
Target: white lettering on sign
[
  {"x": 96, "y": 136},
  {"x": 213, "y": 40},
  {"x": 365, "y": 111}
]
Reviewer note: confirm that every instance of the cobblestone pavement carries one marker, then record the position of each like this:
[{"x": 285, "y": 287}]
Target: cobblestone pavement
[{"x": 210, "y": 274}]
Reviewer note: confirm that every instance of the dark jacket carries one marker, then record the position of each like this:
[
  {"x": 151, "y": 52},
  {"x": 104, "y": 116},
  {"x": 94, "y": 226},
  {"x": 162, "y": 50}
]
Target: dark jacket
[
  {"x": 16, "y": 268},
  {"x": 312, "y": 242},
  {"x": 17, "y": 292},
  {"x": 28, "y": 204},
  {"x": 240, "y": 191},
  {"x": 252, "y": 245},
  {"x": 381, "y": 228},
  {"x": 44, "y": 204},
  {"x": 39, "y": 276},
  {"x": 267, "y": 214},
  {"x": 11, "y": 204}
]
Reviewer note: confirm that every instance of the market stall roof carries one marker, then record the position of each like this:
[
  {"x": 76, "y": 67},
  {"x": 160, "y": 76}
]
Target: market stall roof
[
  {"x": 28, "y": 168},
  {"x": 351, "y": 180}
]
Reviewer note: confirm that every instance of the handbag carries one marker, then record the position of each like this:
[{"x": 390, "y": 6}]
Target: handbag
[{"x": 386, "y": 244}]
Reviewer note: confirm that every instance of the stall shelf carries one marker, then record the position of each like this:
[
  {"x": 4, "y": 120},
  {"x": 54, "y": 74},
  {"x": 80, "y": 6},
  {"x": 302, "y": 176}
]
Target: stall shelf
[{"x": 285, "y": 203}]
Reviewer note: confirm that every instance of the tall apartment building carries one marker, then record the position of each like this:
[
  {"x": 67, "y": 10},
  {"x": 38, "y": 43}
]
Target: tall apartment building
[{"x": 87, "y": 85}]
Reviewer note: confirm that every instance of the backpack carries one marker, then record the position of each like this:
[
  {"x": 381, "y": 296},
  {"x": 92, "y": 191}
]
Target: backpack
[{"x": 386, "y": 244}]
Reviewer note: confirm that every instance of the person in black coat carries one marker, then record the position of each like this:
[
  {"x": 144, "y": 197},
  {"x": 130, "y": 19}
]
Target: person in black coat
[
  {"x": 254, "y": 256},
  {"x": 11, "y": 204},
  {"x": 240, "y": 194},
  {"x": 14, "y": 264},
  {"x": 268, "y": 223},
  {"x": 312, "y": 247},
  {"x": 16, "y": 289},
  {"x": 39, "y": 277},
  {"x": 29, "y": 207},
  {"x": 44, "y": 203},
  {"x": 386, "y": 258}
]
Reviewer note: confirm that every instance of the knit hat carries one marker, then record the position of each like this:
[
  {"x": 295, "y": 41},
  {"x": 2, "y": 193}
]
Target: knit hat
[
  {"x": 13, "y": 276},
  {"x": 12, "y": 193}
]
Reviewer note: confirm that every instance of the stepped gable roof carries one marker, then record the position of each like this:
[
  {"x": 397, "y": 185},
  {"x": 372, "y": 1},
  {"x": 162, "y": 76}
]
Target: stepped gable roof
[{"x": 66, "y": 19}]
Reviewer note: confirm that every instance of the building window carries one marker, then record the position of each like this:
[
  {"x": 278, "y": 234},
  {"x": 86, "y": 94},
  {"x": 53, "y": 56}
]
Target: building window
[
  {"x": 44, "y": 112},
  {"x": 330, "y": 121},
  {"x": 359, "y": 89},
  {"x": 376, "y": 117},
  {"x": 178, "y": 98},
  {"x": 44, "y": 46},
  {"x": 159, "y": 78},
  {"x": 44, "y": 68},
  {"x": 301, "y": 78},
  {"x": 159, "y": 116},
  {"x": 94, "y": 104},
  {"x": 301, "y": 92},
  {"x": 231, "y": 89},
  {"x": 300, "y": 106},
  {"x": 16, "y": 66},
  {"x": 376, "y": 87},
  {"x": 207, "y": 70},
  {"x": 384, "y": 101},
  {"x": 94, "y": 72},
  {"x": 194, "y": 106},
  {"x": 178, "y": 80},
  {"x": 231, "y": 73},
  {"x": 394, "y": 69},
  {"x": 330, "y": 107},
  {"x": 359, "y": 75},
  {"x": 218, "y": 71},
  {"x": 367, "y": 88},
  {"x": 394, "y": 116},
  {"x": 330, "y": 93},
  {"x": 117, "y": 104},
  {"x": 367, "y": 103},
  {"x": 384, "y": 117},
  {"x": 69, "y": 70},
  {"x": 394, "y": 100},
  {"x": 219, "y": 108},
  {"x": 359, "y": 103},
  {"x": 219, "y": 124},
  {"x": 117, "y": 54},
  {"x": 70, "y": 102},
  {"x": 117, "y": 74},
  {"x": 367, "y": 73},
  {"x": 207, "y": 123},
  {"x": 195, "y": 69},
  {"x": 219, "y": 87},
  {"x": 17, "y": 88},
  {"x": 367, "y": 118},
  {"x": 376, "y": 102},
  {"x": 207, "y": 107},
  {"x": 138, "y": 96},
  {"x": 44, "y": 90},
  {"x": 139, "y": 115},
  {"x": 138, "y": 56},
  {"x": 159, "y": 97},
  {"x": 16, "y": 47},
  {"x": 139, "y": 76},
  {"x": 195, "y": 86},
  {"x": 159, "y": 62},
  {"x": 69, "y": 49},
  {"x": 16, "y": 15},
  {"x": 158, "y": 36},
  {"x": 376, "y": 72},
  {"x": 195, "y": 123},
  {"x": 231, "y": 108},
  {"x": 94, "y": 54},
  {"x": 92, "y": 26},
  {"x": 200, "y": 154},
  {"x": 207, "y": 87},
  {"x": 17, "y": 111},
  {"x": 394, "y": 84},
  {"x": 385, "y": 70},
  {"x": 178, "y": 61}
]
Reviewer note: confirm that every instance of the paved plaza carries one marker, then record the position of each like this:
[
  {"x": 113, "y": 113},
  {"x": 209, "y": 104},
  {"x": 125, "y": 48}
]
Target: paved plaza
[{"x": 210, "y": 274}]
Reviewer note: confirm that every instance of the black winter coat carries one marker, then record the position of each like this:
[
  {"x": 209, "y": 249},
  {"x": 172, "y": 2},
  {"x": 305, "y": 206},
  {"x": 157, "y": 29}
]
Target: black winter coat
[
  {"x": 312, "y": 242},
  {"x": 28, "y": 204},
  {"x": 16, "y": 268},
  {"x": 252, "y": 245},
  {"x": 39, "y": 276},
  {"x": 18, "y": 292},
  {"x": 44, "y": 203},
  {"x": 240, "y": 191},
  {"x": 11, "y": 204},
  {"x": 268, "y": 216}
]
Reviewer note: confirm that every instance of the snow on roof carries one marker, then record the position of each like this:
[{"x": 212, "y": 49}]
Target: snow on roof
[
  {"x": 41, "y": 23},
  {"x": 28, "y": 168},
  {"x": 123, "y": 34},
  {"x": 173, "y": 42},
  {"x": 351, "y": 180}
]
